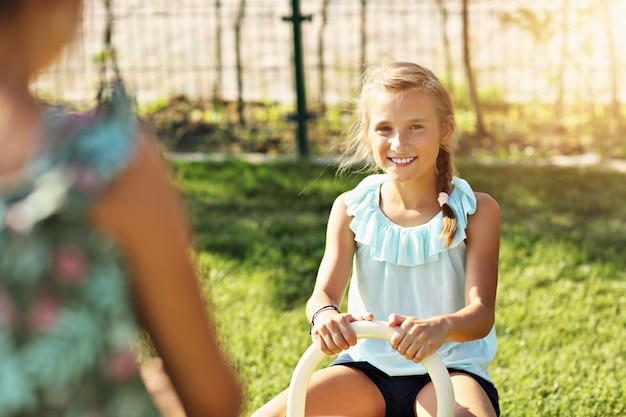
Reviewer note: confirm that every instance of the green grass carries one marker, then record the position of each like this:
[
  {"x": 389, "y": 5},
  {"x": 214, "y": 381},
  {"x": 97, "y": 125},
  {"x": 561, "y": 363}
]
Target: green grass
[{"x": 561, "y": 312}]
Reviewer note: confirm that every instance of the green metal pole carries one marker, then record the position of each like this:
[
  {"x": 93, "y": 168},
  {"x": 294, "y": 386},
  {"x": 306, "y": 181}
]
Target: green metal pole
[{"x": 302, "y": 115}]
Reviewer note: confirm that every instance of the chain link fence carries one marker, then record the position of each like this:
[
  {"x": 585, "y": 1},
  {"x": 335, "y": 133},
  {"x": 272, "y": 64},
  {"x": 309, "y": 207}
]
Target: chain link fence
[{"x": 563, "y": 54}]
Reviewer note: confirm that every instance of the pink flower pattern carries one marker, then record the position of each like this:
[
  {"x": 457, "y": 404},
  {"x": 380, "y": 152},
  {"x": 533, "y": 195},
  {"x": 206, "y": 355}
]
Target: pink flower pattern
[
  {"x": 69, "y": 264},
  {"x": 44, "y": 313},
  {"x": 64, "y": 303},
  {"x": 85, "y": 179},
  {"x": 9, "y": 314},
  {"x": 122, "y": 365}
]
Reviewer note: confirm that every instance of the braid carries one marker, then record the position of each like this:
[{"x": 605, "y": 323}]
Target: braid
[
  {"x": 445, "y": 171},
  {"x": 398, "y": 78}
]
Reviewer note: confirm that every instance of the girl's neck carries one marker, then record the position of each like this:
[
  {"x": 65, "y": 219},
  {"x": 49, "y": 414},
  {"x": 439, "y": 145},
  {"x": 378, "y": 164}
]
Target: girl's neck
[
  {"x": 413, "y": 194},
  {"x": 20, "y": 118},
  {"x": 409, "y": 204},
  {"x": 15, "y": 99}
]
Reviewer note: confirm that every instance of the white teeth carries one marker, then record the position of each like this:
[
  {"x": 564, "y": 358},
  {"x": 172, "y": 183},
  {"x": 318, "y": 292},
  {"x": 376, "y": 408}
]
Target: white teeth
[{"x": 401, "y": 160}]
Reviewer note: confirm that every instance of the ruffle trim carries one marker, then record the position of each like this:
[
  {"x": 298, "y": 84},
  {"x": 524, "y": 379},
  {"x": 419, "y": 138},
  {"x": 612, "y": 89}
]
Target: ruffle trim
[
  {"x": 404, "y": 246},
  {"x": 86, "y": 152}
]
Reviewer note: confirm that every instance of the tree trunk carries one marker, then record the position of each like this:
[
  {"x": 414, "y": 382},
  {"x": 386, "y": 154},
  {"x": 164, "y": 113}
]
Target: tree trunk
[
  {"x": 612, "y": 59},
  {"x": 363, "y": 34},
  {"x": 481, "y": 132},
  {"x": 238, "y": 23},
  {"x": 446, "y": 45},
  {"x": 320, "y": 57},
  {"x": 558, "y": 106},
  {"x": 217, "y": 86}
]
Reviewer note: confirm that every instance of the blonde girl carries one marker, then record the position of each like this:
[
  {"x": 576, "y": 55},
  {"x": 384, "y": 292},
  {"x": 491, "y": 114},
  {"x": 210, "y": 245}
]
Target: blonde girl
[{"x": 414, "y": 246}]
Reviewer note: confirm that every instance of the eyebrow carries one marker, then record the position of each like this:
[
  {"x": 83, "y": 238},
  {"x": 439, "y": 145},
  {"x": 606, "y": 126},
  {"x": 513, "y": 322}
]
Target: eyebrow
[
  {"x": 414, "y": 120},
  {"x": 419, "y": 119}
]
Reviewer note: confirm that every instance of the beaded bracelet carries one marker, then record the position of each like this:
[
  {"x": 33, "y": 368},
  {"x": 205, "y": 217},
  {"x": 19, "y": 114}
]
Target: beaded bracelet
[{"x": 328, "y": 307}]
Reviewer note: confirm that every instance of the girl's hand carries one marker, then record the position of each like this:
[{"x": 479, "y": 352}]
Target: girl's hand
[
  {"x": 416, "y": 339},
  {"x": 159, "y": 386},
  {"x": 333, "y": 333}
]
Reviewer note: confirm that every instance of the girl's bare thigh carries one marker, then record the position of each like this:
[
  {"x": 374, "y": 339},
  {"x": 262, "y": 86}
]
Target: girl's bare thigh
[
  {"x": 334, "y": 391},
  {"x": 471, "y": 399}
]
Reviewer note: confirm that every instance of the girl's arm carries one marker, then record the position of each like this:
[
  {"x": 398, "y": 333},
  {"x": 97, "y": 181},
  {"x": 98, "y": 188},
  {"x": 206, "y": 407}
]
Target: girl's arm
[
  {"x": 332, "y": 331},
  {"x": 476, "y": 319},
  {"x": 481, "y": 273},
  {"x": 145, "y": 215}
]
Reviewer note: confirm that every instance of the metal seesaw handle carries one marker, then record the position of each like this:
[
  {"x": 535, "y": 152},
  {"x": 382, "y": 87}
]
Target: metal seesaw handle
[{"x": 367, "y": 329}]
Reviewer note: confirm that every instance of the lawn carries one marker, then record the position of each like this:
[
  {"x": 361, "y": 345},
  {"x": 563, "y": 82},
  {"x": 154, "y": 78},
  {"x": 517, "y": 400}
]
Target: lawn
[{"x": 561, "y": 312}]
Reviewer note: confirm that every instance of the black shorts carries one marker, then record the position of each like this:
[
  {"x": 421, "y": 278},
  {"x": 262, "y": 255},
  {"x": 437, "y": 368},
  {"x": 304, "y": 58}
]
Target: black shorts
[{"x": 400, "y": 392}]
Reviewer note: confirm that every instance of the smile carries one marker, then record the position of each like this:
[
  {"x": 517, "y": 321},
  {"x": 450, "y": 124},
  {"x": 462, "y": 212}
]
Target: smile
[{"x": 402, "y": 161}]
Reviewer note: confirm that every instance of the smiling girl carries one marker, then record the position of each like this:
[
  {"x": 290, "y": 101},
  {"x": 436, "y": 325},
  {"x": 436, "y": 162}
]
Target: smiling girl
[{"x": 418, "y": 248}]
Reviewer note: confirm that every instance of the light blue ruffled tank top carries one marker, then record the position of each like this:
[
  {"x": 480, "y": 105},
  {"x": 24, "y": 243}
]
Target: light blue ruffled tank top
[{"x": 409, "y": 271}]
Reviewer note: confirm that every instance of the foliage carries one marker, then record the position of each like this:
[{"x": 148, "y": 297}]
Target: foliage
[
  {"x": 562, "y": 291},
  {"x": 186, "y": 125},
  {"x": 541, "y": 27},
  {"x": 515, "y": 129}
]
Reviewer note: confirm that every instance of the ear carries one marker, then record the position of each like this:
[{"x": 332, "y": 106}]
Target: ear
[{"x": 447, "y": 129}]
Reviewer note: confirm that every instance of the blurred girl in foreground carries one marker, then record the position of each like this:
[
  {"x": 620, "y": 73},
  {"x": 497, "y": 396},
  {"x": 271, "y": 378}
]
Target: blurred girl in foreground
[{"x": 92, "y": 238}]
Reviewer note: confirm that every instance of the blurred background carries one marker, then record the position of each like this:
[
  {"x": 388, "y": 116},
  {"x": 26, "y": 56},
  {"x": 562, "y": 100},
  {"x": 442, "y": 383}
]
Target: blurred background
[{"x": 530, "y": 78}]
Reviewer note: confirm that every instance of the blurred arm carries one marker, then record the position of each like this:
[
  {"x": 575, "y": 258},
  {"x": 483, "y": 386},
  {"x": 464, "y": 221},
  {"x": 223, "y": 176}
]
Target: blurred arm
[{"x": 145, "y": 215}]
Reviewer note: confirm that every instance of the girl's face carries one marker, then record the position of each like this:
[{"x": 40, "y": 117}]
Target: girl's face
[
  {"x": 405, "y": 134},
  {"x": 42, "y": 28}
]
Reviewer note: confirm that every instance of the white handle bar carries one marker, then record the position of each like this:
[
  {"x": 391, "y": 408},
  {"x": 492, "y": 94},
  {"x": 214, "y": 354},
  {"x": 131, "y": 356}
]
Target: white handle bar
[{"x": 367, "y": 329}]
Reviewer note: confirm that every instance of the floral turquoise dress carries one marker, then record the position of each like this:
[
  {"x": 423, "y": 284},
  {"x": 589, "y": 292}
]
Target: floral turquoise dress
[{"x": 66, "y": 317}]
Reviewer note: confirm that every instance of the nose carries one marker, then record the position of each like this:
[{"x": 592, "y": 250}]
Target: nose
[{"x": 398, "y": 143}]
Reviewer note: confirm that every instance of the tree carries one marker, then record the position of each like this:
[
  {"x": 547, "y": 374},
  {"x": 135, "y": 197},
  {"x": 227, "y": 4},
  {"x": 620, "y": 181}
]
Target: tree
[
  {"x": 543, "y": 28},
  {"x": 558, "y": 107},
  {"x": 481, "y": 131},
  {"x": 363, "y": 19},
  {"x": 238, "y": 25},
  {"x": 606, "y": 17},
  {"x": 320, "y": 56},
  {"x": 217, "y": 86},
  {"x": 443, "y": 11}
]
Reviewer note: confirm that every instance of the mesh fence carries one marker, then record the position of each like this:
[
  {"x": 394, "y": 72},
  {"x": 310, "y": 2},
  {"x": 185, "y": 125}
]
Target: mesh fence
[{"x": 230, "y": 50}]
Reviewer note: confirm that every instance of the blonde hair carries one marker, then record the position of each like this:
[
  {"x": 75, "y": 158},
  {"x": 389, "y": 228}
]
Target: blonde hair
[{"x": 400, "y": 77}]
